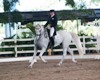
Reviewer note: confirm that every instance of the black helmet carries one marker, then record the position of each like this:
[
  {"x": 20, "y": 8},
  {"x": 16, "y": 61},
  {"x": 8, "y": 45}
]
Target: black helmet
[{"x": 52, "y": 10}]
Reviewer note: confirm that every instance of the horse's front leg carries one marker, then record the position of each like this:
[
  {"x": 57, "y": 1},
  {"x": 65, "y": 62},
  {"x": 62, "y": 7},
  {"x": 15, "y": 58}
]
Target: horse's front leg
[
  {"x": 41, "y": 53},
  {"x": 34, "y": 57},
  {"x": 72, "y": 55}
]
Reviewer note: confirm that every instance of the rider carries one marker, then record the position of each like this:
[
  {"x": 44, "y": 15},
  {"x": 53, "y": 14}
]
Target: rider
[{"x": 51, "y": 27}]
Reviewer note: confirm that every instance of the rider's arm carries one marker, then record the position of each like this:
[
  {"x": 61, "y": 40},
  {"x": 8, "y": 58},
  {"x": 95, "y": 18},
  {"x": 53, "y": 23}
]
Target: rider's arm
[{"x": 48, "y": 22}]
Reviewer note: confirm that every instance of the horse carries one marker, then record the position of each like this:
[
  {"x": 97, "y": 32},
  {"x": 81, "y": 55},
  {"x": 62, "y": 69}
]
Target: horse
[{"x": 41, "y": 40}]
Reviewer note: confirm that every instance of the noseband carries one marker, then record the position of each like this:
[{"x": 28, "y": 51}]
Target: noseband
[{"x": 40, "y": 31}]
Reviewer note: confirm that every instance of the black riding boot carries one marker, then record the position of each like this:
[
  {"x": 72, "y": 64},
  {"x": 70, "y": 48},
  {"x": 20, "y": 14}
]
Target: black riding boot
[{"x": 51, "y": 42}]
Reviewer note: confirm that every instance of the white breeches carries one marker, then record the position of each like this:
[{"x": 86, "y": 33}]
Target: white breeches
[{"x": 51, "y": 31}]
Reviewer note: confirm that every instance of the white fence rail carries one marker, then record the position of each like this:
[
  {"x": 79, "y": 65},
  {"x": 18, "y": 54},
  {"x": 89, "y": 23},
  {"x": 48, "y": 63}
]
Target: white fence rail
[
  {"x": 18, "y": 49},
  {"x": 15, "y": 47}
]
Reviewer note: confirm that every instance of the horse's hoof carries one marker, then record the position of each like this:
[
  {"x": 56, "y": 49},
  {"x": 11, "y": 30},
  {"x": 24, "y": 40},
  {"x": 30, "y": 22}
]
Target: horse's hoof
[
  {"x": 32, "y": 60},
  {"x": 45, "y": 62},
  {"x": 29, "y": 66},
  {"x": 75, "y": 62},
  {"x": 58, "y": 64},
  {"x": 35, "y": 60}
]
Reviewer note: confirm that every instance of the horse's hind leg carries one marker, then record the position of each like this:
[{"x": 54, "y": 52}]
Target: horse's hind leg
[
  {"x": 41, "y": 53},
  {"x": 72, "y": 56},
  {"x": 64, "y": 54},
  {"x": 66, "y": 43}
]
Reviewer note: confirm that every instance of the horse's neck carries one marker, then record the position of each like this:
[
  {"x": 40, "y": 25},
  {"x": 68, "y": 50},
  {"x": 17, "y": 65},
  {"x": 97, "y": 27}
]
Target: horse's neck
[{"x": 45, "y": 33}]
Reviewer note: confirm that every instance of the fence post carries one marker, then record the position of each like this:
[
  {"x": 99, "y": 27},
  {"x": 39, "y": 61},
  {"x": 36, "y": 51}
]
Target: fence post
[
  {"x": 98, "y": 44},
  {"x": 15, "y": 42},
  {"x": 84, "y": 48}
]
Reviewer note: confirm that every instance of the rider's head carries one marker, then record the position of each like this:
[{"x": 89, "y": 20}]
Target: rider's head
[{"x": 52, "y": 12}]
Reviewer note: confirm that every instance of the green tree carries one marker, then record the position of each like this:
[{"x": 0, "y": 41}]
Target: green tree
[
  {"x": 96, "y": 2},
  {"x": 8, "y": 6},
  {"x": 82, "y": 4},
  {"x": 30, "y": 26},
  {"x": 69, "y": 2}
]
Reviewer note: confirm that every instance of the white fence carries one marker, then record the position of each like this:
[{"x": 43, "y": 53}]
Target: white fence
[
  {"x": 84, "y": 42},
  {"x": 16, "y": 47}
]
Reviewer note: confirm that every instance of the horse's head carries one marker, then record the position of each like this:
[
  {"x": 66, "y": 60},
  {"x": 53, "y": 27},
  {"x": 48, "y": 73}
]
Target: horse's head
[{"x": 39, "y": 29}]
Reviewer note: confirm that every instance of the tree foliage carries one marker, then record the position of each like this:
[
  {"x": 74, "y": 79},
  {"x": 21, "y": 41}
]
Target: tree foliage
[
  {"x": 95, "y": 0},
  {"x": 70, "y": 2},
  {"x": 30, "y": 26},
  {"x": 8, "y": 5}
]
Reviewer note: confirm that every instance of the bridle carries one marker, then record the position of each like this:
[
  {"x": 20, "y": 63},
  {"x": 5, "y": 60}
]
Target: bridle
[
  {"x": 40, "y": 32},
  {"x": 38, "y": 35}
]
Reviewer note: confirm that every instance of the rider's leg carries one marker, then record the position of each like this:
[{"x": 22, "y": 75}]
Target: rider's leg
[
  {"x": 52, "y": 36},
  {"x": 48, "y": 31},
  {"x": 52, "y": 31},
  {"x": 52, "y": 42}
]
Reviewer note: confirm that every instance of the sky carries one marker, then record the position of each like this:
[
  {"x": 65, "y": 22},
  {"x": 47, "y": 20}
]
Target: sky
[
  {"x": 31, "y": 5},
  {"x": 37, "y": 5}
]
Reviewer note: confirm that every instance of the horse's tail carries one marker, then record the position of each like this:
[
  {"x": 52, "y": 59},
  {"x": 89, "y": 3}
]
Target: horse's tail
[{"x": 77, "y": 41}]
